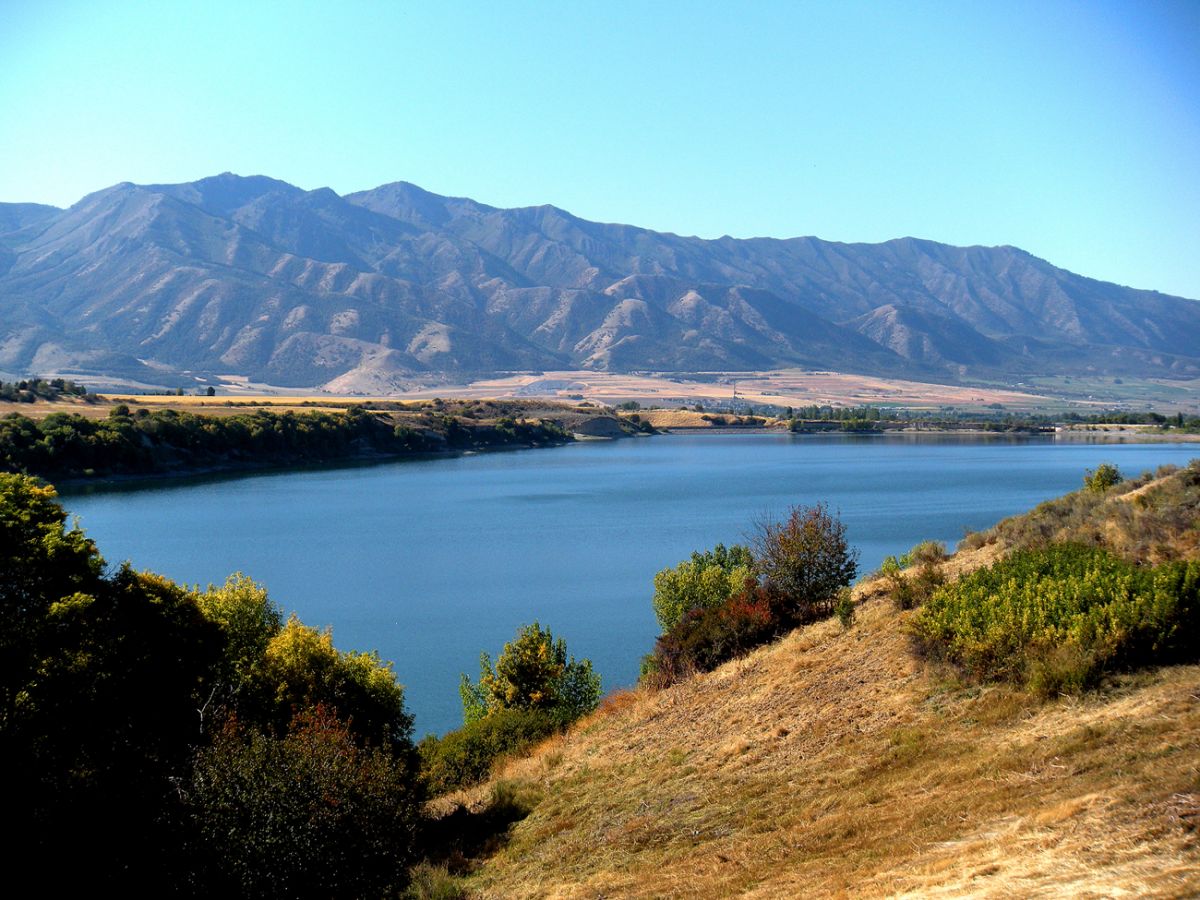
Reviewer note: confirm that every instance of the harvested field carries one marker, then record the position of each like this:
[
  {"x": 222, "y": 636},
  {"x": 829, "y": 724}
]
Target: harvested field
[{"x": 790, "y": 387}]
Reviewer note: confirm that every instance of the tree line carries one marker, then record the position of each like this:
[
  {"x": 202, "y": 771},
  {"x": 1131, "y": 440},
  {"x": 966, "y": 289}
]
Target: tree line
[
  {"x": 30, "y": 390},
  {"x": 65, "y": 445}
]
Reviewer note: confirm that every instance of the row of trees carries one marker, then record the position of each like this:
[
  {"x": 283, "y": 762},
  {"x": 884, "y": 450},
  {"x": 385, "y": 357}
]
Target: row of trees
[
  {"x": 30, "y": 390},
  {"x": 141, "y": 442}
]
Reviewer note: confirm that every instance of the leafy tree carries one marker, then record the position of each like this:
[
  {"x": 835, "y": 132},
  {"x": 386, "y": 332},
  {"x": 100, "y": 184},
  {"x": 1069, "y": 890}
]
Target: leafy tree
[
  {"x": 308, "y": 814},
  {"x": 805, "y": 560},
  {"x": 532, "y": 672},
  {"x": 98, "y": 680},
  {"x": 249, "y": 621},
  {"x": 110, "y": 686},
  {"x": 704, "y": 581},
  {"x": 302, "y": 670},
  {"x": 1103, "y": 477}
]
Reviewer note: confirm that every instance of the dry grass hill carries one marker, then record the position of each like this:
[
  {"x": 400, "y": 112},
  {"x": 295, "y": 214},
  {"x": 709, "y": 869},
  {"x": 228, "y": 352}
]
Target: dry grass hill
[{"x": 836, "y": 762}]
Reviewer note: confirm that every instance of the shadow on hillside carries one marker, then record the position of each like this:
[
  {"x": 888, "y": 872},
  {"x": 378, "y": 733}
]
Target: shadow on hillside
[{"x": 464, "y": 837}]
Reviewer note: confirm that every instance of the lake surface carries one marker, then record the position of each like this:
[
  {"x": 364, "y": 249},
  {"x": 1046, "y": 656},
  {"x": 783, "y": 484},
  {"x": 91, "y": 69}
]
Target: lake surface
[{"x": 431, "y": 562}]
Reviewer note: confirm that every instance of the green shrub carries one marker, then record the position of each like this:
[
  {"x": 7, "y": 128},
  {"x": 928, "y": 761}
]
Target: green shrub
[
  {"x": 805, "y": 560},
  {"x": 909, "y": 592},
  {"x": 466, "y": 756},
  {"x": 532, "y": 672},
  {"x": 705, "y": 580},
  {"x": 1101, "y": 478},
  {"x": 844, "y": 608},
  {"x": 1058, "y": 617},
  {"x": 309, "y": 814}
]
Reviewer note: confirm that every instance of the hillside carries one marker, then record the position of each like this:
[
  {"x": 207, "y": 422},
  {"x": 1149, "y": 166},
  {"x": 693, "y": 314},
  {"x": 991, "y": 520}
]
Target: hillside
[
  {"x": 378, "y": 290},
  {"x": 835, "y": 762}
]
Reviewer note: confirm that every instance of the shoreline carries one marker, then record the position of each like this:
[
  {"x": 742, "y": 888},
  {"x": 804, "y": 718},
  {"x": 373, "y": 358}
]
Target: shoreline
[
  {"x": 1065, "y": 436},
  {"x": 83, "y": 483}
]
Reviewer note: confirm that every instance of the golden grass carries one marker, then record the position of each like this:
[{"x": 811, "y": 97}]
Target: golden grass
[
  {"x": 686, "y": 418},
  {"x": 41, "y": 409},
  {"x": 835, "y": 764},
  {"x": 784, "y": 387}
]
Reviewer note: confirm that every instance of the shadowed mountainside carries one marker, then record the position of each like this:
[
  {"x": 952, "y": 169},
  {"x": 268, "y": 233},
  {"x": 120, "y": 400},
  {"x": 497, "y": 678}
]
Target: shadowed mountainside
[{"x": 255, "y": 277}]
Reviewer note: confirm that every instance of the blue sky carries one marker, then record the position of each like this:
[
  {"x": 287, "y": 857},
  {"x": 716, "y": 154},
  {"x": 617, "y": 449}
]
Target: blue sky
[{"x": 1071, "y": 130}]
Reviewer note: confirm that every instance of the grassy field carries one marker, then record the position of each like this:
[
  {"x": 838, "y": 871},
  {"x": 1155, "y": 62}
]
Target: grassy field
[
  {"x": 790, "y": 387},
  {"x": 1132, "y": 393}
]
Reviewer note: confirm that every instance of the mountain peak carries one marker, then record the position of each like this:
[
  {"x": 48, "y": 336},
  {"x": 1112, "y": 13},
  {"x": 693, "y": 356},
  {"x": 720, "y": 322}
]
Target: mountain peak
[{"x": 253, "y": 276}]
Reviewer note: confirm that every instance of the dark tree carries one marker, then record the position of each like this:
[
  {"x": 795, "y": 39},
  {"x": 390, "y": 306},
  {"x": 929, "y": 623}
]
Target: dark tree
[{"x": 805, "y": 560}]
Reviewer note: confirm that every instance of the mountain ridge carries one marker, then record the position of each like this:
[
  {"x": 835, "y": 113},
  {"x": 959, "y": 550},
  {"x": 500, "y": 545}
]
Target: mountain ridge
[{"x": 255, "y": 277}]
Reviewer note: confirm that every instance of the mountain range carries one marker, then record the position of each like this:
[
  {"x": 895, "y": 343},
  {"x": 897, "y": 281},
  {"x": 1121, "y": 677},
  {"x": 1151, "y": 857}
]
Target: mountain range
[{"x": 373, "y": 291}]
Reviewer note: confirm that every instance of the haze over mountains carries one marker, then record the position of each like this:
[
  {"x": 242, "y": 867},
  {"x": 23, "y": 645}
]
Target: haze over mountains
[{"x": 394, "y": 286}]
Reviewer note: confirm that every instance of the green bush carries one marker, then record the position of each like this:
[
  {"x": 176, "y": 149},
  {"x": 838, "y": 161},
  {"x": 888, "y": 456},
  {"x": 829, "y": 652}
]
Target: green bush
[
  {"x": 805, "y": 560},
  {"x": 1103, "y": 477},
  {"x": 308, "y": 814},
  {"x": 909, "y": 592},
  {"x": 705, "y": 580},
  {"x": 532, "y": 672},
  {"x": 1058, "y": 617},
  {"x": 844, "y": 608},
  {"x": 466, "y": 756}
]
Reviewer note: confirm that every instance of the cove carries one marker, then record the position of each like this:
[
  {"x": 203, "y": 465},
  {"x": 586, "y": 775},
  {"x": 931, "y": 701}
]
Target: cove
[{"x": 432, "y": 561}]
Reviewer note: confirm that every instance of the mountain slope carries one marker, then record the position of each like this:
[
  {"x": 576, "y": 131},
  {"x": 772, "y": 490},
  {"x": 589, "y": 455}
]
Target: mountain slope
[{"x": 255, "y": 277}]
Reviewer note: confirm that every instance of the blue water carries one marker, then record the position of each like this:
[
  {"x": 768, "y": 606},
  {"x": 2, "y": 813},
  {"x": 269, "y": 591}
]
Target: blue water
[{"x": 432, "y": 561}]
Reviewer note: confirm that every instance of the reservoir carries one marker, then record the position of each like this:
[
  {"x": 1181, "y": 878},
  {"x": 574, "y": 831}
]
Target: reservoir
[{"x": 432, "y": 561}]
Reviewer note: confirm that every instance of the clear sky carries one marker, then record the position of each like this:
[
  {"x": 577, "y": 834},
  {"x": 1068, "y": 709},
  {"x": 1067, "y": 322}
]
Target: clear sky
[{"x": 1069, "y": 129}]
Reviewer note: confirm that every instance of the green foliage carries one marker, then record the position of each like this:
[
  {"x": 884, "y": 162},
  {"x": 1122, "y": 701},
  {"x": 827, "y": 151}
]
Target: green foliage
[
  {"x": 311, "y": 813},
  {"x": 1103, "y": 477},
  {"x": 466, "y": 756},
  {"x": 31, "y": 390},
  {"x": 63, "y": 445},
  {"x": 112, "y": 683},
  {"x": 1060, "y": 616},
  {"x": 98, "y": 679},
  {"x": 805, "y": 560},
  {"x": 533, "y": 690},
  {"x": 249, "y": 621},
  {"x": 703, "y": 581},
  {"x": 532, "y": 672},
  {"x": 914, "y": 589},
  {"x": 302, "y": 669},
  {"x": 843, "y": 608}
]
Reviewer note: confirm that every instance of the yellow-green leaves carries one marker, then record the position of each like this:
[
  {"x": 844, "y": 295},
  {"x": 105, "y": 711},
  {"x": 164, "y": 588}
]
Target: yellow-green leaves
[
  {"x": 533, "y": 672},
  {"x": 1027, "y": 616},
  {"x": 705, "y": 580}
]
